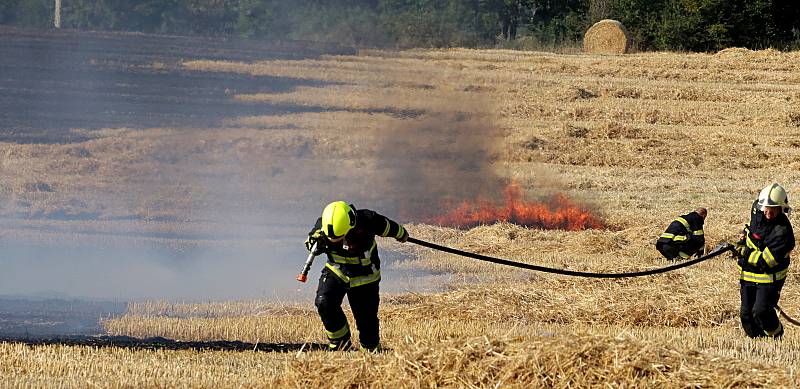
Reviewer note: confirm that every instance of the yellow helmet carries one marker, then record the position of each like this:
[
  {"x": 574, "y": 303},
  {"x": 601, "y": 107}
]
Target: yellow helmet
[
  {"x": 773, "y": 195},
  {"x": 337, "y": 219}
]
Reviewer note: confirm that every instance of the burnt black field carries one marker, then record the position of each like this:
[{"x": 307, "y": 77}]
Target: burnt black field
[{"x": 53, "y": 81}]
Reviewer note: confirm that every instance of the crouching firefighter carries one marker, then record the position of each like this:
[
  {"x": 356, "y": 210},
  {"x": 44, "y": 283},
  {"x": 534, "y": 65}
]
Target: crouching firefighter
[
  {"x": 684, "y": 236},
  {"x": 347, "y": 236},
  {"x": 763, "y": 259}
]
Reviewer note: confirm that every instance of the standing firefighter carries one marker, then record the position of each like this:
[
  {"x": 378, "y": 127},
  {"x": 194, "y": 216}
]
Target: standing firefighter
[
  {"x": 763, "y": 253},
  {"x": 347, "y": 236},
  {"x": 684, "y": 237}
]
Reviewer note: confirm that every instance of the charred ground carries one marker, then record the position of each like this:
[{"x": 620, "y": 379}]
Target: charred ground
[{"x": 56, "y": 81}]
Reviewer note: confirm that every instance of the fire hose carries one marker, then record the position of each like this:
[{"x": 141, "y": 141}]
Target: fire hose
[
  {"x": 787, "y": 317},
  {"x": 719, "y": 250},
  {"x": 722, "y": 248}
]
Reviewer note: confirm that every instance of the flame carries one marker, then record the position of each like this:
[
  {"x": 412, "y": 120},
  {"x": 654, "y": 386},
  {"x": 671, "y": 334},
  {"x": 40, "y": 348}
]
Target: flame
[{"x": 557, "y": 212}]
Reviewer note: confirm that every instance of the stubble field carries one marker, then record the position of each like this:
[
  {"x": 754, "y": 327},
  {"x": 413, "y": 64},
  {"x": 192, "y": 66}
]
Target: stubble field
[{"x": 638, "y": 138}]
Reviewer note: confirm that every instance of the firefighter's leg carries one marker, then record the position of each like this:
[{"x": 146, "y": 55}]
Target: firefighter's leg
[
  {"x": 364, "y": 301},
  {"x": 667, "y": 250},
  {"x": 764, "y": 309},
  {"x": 748, "y": 292},
  {"x": 330, "y": 293}
]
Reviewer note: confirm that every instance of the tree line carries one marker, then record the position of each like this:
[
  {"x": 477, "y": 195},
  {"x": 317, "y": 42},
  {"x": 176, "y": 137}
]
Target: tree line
[{"x": 693, "y": 25}]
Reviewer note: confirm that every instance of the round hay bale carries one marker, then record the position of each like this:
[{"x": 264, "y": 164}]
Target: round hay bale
[{"x": 607, "y": 37}]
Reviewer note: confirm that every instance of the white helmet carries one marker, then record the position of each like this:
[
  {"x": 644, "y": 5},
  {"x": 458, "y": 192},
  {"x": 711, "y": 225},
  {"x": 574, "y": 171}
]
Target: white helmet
[{"x": 773, "y": 195}]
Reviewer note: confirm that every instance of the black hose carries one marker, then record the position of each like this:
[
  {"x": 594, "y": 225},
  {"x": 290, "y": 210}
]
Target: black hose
[
  {"x": 507, "y": 262},
  {"x": 787, "y": 317}
]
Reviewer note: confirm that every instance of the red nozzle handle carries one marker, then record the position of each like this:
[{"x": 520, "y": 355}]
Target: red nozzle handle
[{"x": 302, "y": 278}]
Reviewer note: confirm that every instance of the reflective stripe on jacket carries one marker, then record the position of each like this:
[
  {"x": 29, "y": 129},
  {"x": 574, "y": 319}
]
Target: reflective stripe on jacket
[
  {"x": 685, "y": 233},
  {"x": 762, "y": 278},
  {"x": 764, "y": 253},
  {"x": 355, "y": 259}
]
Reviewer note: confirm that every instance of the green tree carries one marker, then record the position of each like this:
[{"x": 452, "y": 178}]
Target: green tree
[
  {"x": 512, "y": 14},
  {"x": 434, "y": 23},
  {"x": 355, "y": 23},
  {"x": 260, "y": 18},
  {"x": 87, "y": 14},
  {"x": 34, "y": 13},
  {"x": 559, "y": 21},
  {"x": 212, "y": 17},
  {"x": 8, "y": 11}
]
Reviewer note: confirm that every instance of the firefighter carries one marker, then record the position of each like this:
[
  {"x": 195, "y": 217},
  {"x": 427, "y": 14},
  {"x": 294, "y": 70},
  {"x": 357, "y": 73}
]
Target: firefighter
[
  {"x": 763, "y": 259},
  {"x": 347, "y": 236},
  {"x": 684, "y": 236}
]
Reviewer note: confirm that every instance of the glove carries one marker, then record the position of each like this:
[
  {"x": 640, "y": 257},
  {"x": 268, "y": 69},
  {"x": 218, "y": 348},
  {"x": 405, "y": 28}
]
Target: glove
[
  {"x": 738, "y": 249},
  {"x": 316, "y": 238},
  {"x": 404, "y": 237}
]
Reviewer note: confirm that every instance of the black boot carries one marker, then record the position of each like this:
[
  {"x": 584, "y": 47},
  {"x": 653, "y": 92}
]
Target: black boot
[{"x": 343, "y": 344}]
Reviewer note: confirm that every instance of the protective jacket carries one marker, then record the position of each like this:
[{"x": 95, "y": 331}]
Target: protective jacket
[
  {"x": 764, "y": 252},
  {"x": 685, "y": 235},
  {"x": 355, "y": 259}
]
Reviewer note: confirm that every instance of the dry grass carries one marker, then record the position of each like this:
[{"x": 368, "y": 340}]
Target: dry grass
[
  {"x": 538, "y": 361},
  {"x": 640, "y": 138}
]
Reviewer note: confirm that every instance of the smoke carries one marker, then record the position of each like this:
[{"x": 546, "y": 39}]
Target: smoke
[
  {"x": 176, "y": 214},
  {"x": 443, "y": 157}
]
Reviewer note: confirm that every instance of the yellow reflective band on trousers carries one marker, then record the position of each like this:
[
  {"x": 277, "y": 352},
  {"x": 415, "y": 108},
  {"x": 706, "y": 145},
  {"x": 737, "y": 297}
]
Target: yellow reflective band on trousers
[
  {"x": 341, "y": 333},
  {"x": 361, "y": 260},
  {"x": 776, "y": 331},
  {"x": 355, "y": 281},
  {"x": 762, "y": 278},
  {"x": 683, "y": 255},
  {"x": 769, "y": 258},
  {"x": 698, "y": 232}
]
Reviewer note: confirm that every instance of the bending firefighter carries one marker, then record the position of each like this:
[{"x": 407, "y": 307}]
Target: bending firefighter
[
  {"x": 763, "y": 259},
  {"x": 684, "y": 236},
  {"x": 347, "y": 236}
]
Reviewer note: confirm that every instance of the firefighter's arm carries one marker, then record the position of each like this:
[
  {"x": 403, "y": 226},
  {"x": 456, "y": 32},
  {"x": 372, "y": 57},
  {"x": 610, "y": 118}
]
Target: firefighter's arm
[
  {"x": 697, "y": 238},
  {"x": 395, "y": 230},
  {"x": 676, "y": 232},
  {"x": 696, "y": 244},
  {"x": 777, "y": 246},
  {"x": 767, "y": 252},
  {"x": 753, "y": 252},
  {"x": 383, "y": 226}
]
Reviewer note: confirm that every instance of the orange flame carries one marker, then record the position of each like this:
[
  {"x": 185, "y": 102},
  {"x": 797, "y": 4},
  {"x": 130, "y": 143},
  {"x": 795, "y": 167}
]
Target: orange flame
[{"x": 558, "y": 212}]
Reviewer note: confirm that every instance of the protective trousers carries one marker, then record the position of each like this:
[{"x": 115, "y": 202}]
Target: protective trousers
[
  {"x": 668, "y": 251},
  {"x": 364, "y": 301},
  {"x": 758, "y": 315}
]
